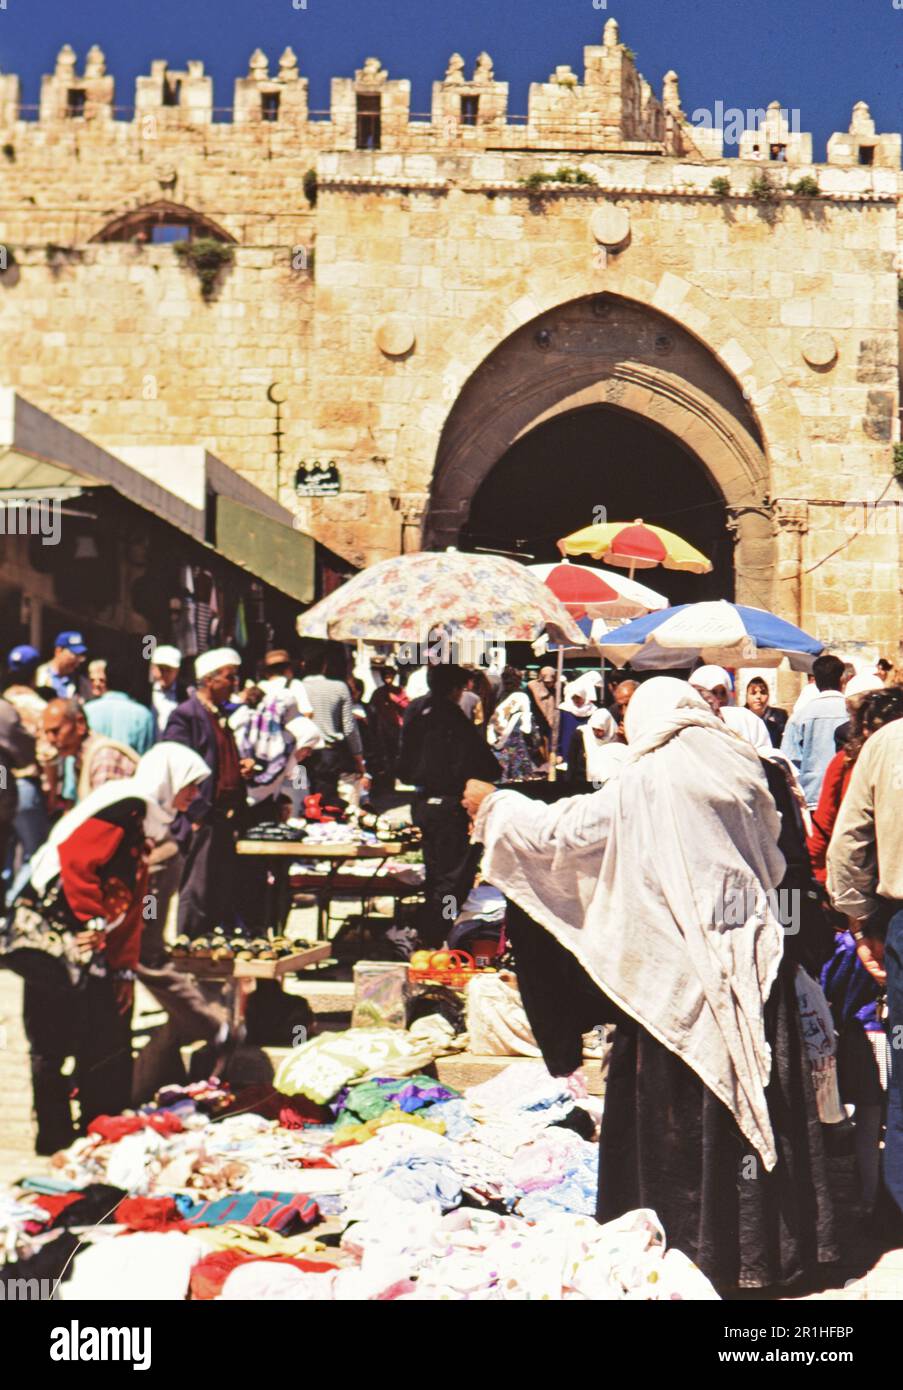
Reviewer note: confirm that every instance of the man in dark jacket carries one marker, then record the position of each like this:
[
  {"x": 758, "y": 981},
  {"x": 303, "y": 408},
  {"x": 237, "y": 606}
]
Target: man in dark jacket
[
  {"x": 206, "y": 835},
  {"x": 440, "y": 751}
]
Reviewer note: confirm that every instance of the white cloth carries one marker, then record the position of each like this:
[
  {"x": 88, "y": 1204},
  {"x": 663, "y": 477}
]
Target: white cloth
[
  {"x": 656, "y": 931},
  {"x": 808, "y": 692},
  {"x": 749, "y": 726},
  {"x": 604, "y": 758},
  {"x": 708, "y": 677},
  {"x": 277, "y": 685},
  {"x": 208, "y": 662},
  {"x": 146, "y": 1266},
  {"x": 863, "y": 685},
  {"x": 167, "y": 656},
  {"x": 585, "y": 686},
  {"x": 161, "y": 774},
  {"x": 513, "y": 713}
]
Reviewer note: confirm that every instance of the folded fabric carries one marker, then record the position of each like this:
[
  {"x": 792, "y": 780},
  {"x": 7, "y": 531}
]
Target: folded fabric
[
  {"x": 116, "y": 1127},
  {"x": 497, "y": 1023},
  {"x": 285, "y": 1212},
  {"x": 149, "y": 1214},
  {"x": 369, "y": 1099},
  {"x": 422, "y": 1180},
  {"x": 210, "y": 1274},
  {"x": 269, "y": 1281},
  {"x": 359, "y": 1134},
  {"x": 321, "y": 1067},
  {"x": 96, "y": 1203},
  {"x": 258, "y": 1242},
  {"x": 145, "y": 1266},
  {"x": 54, "y": 1204}
]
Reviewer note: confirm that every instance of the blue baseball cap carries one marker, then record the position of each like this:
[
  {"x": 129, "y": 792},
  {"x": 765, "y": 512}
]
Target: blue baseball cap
[
  {"x": 23, "y": 656},
  {"x": 72, "y": 641}
]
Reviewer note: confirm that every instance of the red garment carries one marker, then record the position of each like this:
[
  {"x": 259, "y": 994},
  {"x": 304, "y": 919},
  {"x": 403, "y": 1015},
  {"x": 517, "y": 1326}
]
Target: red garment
[
  {"x": 83, "y": 855},
  {"x": 210, "y": 1273},
  {"x": 116, "y": 1127},
  {"x": 229, "y": 784},
  {"x": 53, "y": 1204},
  {"x": 149, "y": 1214},
  {"x": 833, "y": 790}
]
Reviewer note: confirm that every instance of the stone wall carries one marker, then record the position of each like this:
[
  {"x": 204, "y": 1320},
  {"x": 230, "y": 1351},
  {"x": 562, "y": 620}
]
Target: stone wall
[{"x": 372, "y": 298}]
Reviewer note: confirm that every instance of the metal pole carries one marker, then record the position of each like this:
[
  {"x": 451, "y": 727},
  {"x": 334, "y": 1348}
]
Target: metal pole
[{"x": 556, "y": 719}]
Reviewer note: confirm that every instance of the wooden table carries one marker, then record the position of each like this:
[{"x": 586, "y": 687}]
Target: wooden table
[
  {"x": 282, "y": 853},
  {"x": 242, "y": 975}
]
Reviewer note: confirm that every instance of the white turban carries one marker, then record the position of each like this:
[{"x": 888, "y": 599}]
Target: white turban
[{"x": 209, "y": 662}]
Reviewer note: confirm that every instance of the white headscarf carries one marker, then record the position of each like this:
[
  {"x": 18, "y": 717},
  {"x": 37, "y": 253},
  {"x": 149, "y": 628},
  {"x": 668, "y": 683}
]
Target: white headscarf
[
  {"x": 708, "y": 677},
  {"x": 683, "y": 846},
  {"x": 748, "y": 725},
  {"x": 164, "y": 771},
  {"x": 603, "y": 756},
  {"x": 586, "y": 686}
]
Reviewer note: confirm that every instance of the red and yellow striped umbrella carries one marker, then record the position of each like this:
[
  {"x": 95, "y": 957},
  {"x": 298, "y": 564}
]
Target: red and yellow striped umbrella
[{"x": 636, "y": 546}]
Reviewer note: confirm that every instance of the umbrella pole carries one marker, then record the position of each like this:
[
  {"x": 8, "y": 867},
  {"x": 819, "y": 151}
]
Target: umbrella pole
[{"x": 556, "y": 718}]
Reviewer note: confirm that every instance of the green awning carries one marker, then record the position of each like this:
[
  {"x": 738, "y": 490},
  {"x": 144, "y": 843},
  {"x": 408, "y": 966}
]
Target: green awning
[{"x": 266, "y": 549}]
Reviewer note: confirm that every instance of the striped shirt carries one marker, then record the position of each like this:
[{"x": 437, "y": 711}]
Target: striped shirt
[{"x": 333, "y": 712}]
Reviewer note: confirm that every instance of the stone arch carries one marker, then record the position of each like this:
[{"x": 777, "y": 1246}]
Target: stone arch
[
  {"x": 130, "y": 225},
  {"x": 725, "y": 337},
  {"x": 639, "y": 358}
]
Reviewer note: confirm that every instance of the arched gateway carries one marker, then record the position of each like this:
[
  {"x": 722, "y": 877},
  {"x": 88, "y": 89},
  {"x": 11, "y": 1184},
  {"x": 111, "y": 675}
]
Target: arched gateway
[{"x": 604, "y": 402}]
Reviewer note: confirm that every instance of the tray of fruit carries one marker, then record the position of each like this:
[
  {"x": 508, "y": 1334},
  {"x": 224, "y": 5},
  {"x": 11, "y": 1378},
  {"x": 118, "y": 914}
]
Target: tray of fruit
[
  {"x": 240, "y": 957},
  {"x": 453, "y": 968}
]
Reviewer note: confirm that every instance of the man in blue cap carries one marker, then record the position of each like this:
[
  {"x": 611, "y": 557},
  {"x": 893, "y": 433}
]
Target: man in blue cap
[{"x": 57, "y": 679}]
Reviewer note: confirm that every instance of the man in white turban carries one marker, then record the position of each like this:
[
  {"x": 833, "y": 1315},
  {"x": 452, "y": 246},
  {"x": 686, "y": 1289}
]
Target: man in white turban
[{"x": 207, "y": 832}]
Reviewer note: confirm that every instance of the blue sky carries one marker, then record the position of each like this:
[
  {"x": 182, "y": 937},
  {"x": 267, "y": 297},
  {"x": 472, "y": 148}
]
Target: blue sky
[{"x": 818, "y": 55}]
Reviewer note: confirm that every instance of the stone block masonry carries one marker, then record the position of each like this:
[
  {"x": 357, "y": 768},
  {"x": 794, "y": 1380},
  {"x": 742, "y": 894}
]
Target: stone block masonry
[{"x": 376, "y": 261}]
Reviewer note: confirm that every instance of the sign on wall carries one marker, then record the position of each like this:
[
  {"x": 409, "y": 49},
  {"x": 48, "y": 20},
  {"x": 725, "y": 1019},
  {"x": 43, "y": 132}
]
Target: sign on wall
[{"x": 319, "y": 480}]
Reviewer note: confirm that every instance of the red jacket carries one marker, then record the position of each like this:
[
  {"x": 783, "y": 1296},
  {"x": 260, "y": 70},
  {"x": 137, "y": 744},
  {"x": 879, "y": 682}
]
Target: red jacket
[
  {"x": 833, "y": 791},
  {"x": 103, "y": 871}
]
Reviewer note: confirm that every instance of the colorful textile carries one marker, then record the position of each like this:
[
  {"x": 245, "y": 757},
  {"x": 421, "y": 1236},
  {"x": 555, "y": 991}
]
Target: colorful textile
[
  {"x": 259, "y": 1242},
  {"x": 274, "y": 1211},
  {"x": 116, "y": 1127},
  {"x": 149, "y": 1214},
  {"x": 352, "y": 1133},
  {"x": 372, "y": 1098},
  {"x": 320, "y": 1068},
  {"x": 210, "y": 1274}
]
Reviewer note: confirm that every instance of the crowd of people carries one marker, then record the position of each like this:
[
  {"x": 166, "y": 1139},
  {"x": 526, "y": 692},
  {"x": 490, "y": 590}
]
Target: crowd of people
[{"x": 676, "y": 796}]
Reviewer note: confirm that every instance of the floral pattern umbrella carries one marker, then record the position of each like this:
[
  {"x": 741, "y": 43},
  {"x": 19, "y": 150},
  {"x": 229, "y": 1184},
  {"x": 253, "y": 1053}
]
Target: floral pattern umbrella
[{"x": 405, "y": 598}]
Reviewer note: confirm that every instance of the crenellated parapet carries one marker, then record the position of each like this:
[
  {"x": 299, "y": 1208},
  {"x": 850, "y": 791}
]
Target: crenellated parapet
[
  {"x": 862, "y": 146},
  {"x": 263, "y": 98},
  {"x": 67, "y": 95},
  {"x": 774, "y": 138},
  {"x": 608, "y": 108},
  {"x": 469, "y": 110},
  {"x": 173, "y": 96}
]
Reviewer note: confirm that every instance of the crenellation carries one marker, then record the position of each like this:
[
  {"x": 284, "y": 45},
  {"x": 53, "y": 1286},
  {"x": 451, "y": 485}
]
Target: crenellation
[{"x": 342, "y": 223}]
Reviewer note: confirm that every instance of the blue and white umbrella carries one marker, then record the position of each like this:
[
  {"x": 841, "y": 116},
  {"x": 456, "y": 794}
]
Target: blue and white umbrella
[{"x": 726, "y": 634}]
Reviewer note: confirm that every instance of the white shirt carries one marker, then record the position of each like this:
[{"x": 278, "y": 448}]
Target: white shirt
[{"x": 163, "y": 702}]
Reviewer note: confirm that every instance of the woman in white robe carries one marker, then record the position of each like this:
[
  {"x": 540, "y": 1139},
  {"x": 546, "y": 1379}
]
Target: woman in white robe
[{"x": 651, "y": 903}]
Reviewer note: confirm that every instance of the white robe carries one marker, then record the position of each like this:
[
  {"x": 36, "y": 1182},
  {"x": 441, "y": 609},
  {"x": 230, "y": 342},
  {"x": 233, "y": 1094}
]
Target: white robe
[{"x": 659, "y": 885}]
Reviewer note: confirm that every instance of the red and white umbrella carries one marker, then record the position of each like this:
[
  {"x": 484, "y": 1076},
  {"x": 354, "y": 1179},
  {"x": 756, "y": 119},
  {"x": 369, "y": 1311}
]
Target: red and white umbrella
[{"x": 592, "y": 593}]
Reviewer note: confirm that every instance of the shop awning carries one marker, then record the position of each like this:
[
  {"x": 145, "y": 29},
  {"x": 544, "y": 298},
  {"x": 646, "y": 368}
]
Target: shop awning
[{"x": 266, "y": 549}]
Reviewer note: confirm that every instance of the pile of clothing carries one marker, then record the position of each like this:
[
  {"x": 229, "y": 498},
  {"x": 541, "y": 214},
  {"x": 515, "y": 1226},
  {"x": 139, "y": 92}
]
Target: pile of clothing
[{"x": 356, "y": 1184}]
